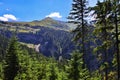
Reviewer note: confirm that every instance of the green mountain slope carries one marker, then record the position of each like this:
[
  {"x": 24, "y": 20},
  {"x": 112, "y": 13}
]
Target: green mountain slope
[{"x": 51, "y": 23}]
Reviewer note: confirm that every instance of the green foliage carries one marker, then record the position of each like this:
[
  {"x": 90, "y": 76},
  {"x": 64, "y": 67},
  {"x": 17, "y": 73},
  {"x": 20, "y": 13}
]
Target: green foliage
[
  {"x": 78, "y": 16},
  {"x": 53, "y": 72},
  {"x": 1, "y": 70},
  {"x": 95, "y": 75},
  {"x": 75, "y": 68},
  {"x": 11, "y": 60},
  {"x": 27, "y": 67},
  {"x": 107, "y": 20},
  {"x": 62, "y": 75},
  {"x": 37, "y": 67},
  {"x": 112, "y": 75}
]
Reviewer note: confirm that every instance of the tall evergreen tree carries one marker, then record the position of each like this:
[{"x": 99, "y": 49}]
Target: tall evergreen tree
[
  {"x": 114, "y": 18},
  {"x": 75, "y": 70},
  {"x": 103, "y": 29},
  {"x": 11, "y": 60},
  {"x": 27, "y": 67},
  {"x": 115, "y": 13},
  {"x": 78, "y": 16}
]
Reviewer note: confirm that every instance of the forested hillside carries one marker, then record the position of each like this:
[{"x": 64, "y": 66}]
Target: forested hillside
[{"x": 53, "y": 42}]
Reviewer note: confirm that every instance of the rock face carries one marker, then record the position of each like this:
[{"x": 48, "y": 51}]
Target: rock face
[{"x": 37, "y": 48}]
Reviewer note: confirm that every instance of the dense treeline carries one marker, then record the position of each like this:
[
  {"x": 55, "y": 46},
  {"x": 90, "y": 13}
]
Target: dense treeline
[{"x": 18, "y": 64}]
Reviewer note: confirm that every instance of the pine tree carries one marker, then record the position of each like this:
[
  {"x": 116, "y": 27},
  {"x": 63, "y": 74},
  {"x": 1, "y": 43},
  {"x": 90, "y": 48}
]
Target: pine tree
[
  {"x": 28, "y": 67},
  {"x": 115, "y": 14},
  {"x": 103, "y": 29},
  {"x": 75, "y": 69},
  {"x": 77, "y": 16},
  {"x": 11, "y": 60}
]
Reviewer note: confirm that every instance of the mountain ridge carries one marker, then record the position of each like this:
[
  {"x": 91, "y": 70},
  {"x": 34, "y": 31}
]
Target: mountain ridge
[{"x": 46, "y": 22}]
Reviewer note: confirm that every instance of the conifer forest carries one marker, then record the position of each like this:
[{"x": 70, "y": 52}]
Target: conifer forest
[{"x": 86, "y": 47}]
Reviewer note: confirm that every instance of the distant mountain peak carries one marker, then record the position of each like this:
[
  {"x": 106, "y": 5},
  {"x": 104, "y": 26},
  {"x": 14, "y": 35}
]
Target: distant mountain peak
[
  {"x": 48, "y": 18},
  {"x": 35, "y": 21},
  {"x": 52, "y": 23},
  {"x": 45, "y": 19}
]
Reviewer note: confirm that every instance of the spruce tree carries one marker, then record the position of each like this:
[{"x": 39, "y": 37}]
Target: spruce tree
[
  {"x": 75, "y": 69},
  {"x": 115, "y": 14},
  {"x": 11, "y": 60},
  {"x": 103, "y": 30},
  {"x": 78, "y": 16},
  {"x": 28, "y": 67},
  {"x": 114, "y": 18}
]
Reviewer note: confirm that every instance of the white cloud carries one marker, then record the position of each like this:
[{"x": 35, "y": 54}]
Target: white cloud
[
  {"x": 7, "y": 17},
  {"x": 10, "y": 16},
  {"x": 54, "y": 15},
  {"x": 3, "y": 19}
]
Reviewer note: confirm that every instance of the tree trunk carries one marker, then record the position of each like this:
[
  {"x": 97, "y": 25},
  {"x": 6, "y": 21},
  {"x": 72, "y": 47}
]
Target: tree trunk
[{"x": 117, "y": 46}]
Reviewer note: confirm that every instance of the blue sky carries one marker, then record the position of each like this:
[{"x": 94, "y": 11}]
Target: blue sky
[{"x": 29, "y": 10}]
